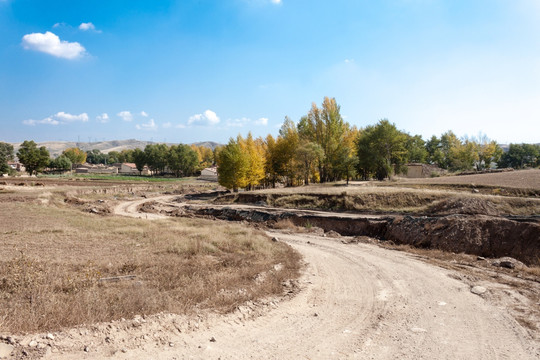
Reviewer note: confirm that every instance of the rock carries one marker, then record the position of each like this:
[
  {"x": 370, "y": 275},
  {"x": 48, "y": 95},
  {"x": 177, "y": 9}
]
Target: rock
[
  {"x": 171, "y": 344},
  {"x": 478, "y": 290},
  {"x": 507, "y": 264},
  {"x": 86, "y": 349},
  {"x": 275, "y": 239},
  {"x": 475, "y": 191},
  {"x": 50, "y": 336},
  {"x": 480, "y": 258},
  {"x": 212, "y": 339},
  {"x": 278, "y": 267},
  {"x": 5, "y": 350},
  {"x": 33, "y": 343},
  {"x": 332, "y": 233}
]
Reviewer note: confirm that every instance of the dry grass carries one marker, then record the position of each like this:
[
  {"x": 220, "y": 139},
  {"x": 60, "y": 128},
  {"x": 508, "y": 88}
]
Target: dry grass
[
  {"x": 390, "y": 199},
  {"x": 54, "y": 257}
]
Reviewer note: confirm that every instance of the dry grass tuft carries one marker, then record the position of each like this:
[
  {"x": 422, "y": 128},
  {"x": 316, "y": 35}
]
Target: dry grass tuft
[{"x": 57, "y": 263}]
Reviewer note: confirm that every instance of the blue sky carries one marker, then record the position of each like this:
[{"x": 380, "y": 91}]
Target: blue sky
[{"x": 198, "y": 70}]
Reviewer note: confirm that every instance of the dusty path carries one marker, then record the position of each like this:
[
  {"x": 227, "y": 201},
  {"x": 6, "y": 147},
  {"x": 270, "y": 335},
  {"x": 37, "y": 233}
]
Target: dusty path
[{"x": 357, "y": 302}]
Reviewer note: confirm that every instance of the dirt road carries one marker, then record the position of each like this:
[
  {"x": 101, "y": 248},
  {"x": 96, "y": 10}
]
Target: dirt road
[{"x": 357, "y": 302}]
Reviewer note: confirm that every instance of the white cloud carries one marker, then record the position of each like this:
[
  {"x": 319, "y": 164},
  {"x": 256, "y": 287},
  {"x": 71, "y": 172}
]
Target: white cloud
[
  {"x": 87, "y": 26},
  {"x": 103, "y": 118},
  {"x": 58, "y": 118},
  {"x": 65, "y": 117},
  {"x": 180, "y": 126},
  {"x": 207, "y": 118},
  {"x": 167, "y": 125},
  {"x": 125, "y": 115},
  {"x": 151, "y": 125},
  {"x": 144, "y": 113},
  {"x": 51, "y": 44},
  {"x": 57, "y": 25},
  {"x": 261, "y": 121},
  {"x": 46, "y": 121}
]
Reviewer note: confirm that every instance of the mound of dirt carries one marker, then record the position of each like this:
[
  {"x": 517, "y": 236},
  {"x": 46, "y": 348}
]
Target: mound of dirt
[
  {"x": 465, "y": 206},
  {"x": 149, "y": 207}
]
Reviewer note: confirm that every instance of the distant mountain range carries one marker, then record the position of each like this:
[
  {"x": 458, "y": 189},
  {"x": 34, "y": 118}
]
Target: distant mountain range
[{"x": 56, "y": 147}]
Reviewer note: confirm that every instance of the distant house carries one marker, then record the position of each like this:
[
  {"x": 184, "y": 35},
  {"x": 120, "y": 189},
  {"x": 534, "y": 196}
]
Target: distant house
[
  {"x": 415, "y": 170},
  {"x": 17, "y": 166},
  {"x": 95, "y": 169},
  {"x": 209, "y": 174},
  {"x": 131, "y": 169}
]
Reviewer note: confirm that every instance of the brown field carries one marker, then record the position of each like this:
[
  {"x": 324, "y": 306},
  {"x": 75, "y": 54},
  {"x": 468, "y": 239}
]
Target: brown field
[
  {"x": 473, "y": 194},
  {"x": 522, "y": 179},
  {"x": 62, "y": 267}
]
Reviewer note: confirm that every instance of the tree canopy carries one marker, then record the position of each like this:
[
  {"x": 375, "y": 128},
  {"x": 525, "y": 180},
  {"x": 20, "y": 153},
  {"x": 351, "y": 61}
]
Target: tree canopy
[{"x": 33, "y": 158}]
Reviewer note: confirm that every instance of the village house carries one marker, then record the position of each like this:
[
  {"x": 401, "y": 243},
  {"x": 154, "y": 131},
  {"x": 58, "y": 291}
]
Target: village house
[
  {"x": 417, "y": 170},
  {"x": 131, "y": 169},
  {"x": 17, "y": 166},
  {"x": 209, "y": 174},
  {"x": 95, "y": 169}
]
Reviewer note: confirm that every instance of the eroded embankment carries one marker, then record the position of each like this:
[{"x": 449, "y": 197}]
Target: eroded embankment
[{"x": 488, "y": 236}]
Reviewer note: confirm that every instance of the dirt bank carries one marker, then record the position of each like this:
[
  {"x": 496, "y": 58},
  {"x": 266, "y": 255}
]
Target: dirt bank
[{"x": 489, "y": 236}]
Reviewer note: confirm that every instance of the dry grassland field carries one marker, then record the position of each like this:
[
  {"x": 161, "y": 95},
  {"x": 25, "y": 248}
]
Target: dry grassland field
[
  {"x": 62, "y": 267},
  {"x": 102, "y": 269}
]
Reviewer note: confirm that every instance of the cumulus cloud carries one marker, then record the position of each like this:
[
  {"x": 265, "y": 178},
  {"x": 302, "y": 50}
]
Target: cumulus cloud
[
  {"x": 125, "y": 115},
  {"x": 144, "y": 113},
  {"x": 151, "y": 125},
  {"x": 103, "y": 118},
  {"x": 58, "y": 118},
  {"x": 87, "y": 26},
  {"x": 207, "y": 118},
  {"x": 65, "y": 117},
  {"x": 51, "y": 44}
]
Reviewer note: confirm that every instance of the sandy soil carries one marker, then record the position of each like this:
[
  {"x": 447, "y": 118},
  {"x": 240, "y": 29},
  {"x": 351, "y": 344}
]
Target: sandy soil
[{"x": 356, "y": 302}]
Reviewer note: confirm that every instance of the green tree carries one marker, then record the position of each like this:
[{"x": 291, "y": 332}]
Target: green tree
[
  {"x": 61, "y": 163},
  {"x": 95, "y": 156},
  {"x": 233, "y": 165},
  {"x": 182, "y": 160},
  {"x": 416, "y": 149},
  {"x": 520, "y": 156},
  {"x": 126, "y": 156},
  {"x": 139, "y": 158},
  {"x": 156, "y": 157},
  {"x": 381, "y": 150},
  {"x": 33, "y": 158},
  {"x": 6, "y": 154},
  {"x": 325, "y": 127},
  {"x": 308, "y": 154}
]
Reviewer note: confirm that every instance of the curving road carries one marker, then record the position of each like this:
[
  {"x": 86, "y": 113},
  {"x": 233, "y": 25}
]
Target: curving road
[{"x": 357, "y": 302}]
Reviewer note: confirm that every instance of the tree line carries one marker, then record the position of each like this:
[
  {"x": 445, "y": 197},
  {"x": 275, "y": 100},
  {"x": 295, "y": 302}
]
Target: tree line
[
  {"x": 323, "y": 147},
  {"x": 180, "y": 160}
]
